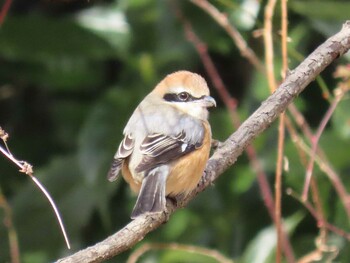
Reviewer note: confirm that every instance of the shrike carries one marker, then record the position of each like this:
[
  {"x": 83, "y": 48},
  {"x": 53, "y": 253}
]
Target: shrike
[{"x": 166, "y": 142}]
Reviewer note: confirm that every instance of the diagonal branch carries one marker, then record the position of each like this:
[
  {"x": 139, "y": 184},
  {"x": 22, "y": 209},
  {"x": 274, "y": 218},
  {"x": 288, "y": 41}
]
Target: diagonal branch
[{"x": 233, "y": 147}]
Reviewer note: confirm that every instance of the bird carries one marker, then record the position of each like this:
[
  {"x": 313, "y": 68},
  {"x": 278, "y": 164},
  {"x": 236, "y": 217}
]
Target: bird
[{"x": 166, "y": 142}]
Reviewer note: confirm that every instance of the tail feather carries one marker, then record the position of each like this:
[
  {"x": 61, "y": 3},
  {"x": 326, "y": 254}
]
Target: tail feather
[{"x": 151, "y": 198}]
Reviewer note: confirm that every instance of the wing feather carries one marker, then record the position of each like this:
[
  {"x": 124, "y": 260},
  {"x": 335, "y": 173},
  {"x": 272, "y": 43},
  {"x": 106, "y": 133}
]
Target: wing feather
[
  {"x": 160, "y": 149},
  {"x": 124, "y": 150}
]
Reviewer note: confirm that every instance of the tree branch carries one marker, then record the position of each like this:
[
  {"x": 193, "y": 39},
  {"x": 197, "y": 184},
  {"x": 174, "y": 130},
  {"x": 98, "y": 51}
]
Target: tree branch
[{"x": 228, "y": 153}]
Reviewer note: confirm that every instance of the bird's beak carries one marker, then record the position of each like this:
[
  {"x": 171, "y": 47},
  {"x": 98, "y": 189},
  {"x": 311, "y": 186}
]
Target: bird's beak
[{"x": 208, "y": 101}]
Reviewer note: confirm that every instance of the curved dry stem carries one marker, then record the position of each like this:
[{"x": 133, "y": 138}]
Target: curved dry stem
[
  {"x": 54, "y": 207},
  {"x": 28, "y": 169}
]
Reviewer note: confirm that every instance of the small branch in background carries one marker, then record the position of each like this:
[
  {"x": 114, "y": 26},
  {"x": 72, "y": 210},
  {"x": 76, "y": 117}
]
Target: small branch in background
[
  {"x": 300, "y": 121},
  {"x": 339, "y": 93},
  {"x": 268, "y": 40},
  {"x": 278, "y": 190},
  {"x": 342, "y": 72},
  {"x": 269, "y": 61},
  {"x": 28, "y": 169},
  {"x": 303, "y": 159},
  {"x": 284, "y": 37},
  {"x": 316, "y": 199},
  {"x": 318, "y": 213},
  {"x": 221, "y": 19},
  {"x": 214, "y": 254},
  {"x": 281, "y": 137},
  {"x": 4, "y": 10},
  {"x": 328, "y": 170},
  {"x": 319, "y": 220}
]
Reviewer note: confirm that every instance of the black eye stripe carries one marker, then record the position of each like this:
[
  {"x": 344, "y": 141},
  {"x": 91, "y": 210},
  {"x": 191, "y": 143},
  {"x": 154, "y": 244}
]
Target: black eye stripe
[{"x": 176, "y": 97}]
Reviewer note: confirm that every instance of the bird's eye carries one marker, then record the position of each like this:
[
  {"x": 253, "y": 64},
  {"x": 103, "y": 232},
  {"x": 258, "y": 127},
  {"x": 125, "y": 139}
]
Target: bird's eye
[{"x": 183, "y": 96}]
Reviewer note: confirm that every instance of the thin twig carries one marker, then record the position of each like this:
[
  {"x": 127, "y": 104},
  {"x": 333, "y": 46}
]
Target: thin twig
[
  {"x": 268, "y": 40},
  {"x": 27, "y": 169},
  {"x": 314, "y": 188},
  {"x": 319, "y": 210},
  {"x": 4, "y": 10},
  {"x": 334, "y": 178},
  {"x": 53, "y": 205},
  {"x": 320, "y": 220},
  {"x": 278, "y": 188},
  {"x": 300, "y": 121},
  {"x": 330, "y": 172},
  {"x": 269, "y": 61},
  {"x": 316, "y": 139},
  {"x": 222, "y": 20},
  {"x": 281, "y": 138},
  {"x": 284, "y": 37},
  {"x": 133, "y": 258},
  {"x": 326, "y": 168}
]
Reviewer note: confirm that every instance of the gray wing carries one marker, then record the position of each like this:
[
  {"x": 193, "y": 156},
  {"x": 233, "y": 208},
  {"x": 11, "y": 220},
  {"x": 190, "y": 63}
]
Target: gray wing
[
  {"x": 160, "y": 149},
  {"x": 124, "y": 150}
]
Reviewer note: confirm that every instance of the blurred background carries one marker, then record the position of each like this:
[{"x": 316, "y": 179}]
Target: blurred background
[{"x": 71, "y": 74}]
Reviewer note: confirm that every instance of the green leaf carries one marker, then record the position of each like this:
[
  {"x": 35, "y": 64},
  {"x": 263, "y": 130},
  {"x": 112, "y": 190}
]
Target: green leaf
[
  {"x": 177, "y": 225},
  {"x": 243, "y": 180},
  {"x": 261, "y": 248},
  {"x": 259, "y": 87},
  {"x": 245, "y": 16},
  {"x": 39, "y": 38},
  {"x": 107, "y": 22},
  {"x": 221, "y": 123},
  {"x": 35, "y": 257},
  {"x": 333, "y": 10},
  {"x": 341, "y": 119},
  {"x": 336, "y": 148}
]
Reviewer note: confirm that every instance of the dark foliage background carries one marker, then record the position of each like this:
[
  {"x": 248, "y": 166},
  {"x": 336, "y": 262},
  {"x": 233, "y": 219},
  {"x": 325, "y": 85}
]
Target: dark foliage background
[{"x": 71, "y": 73}]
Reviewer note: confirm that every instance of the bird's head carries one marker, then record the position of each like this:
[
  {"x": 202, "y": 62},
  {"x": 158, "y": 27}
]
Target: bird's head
[{"x": 186, "y": 91}]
